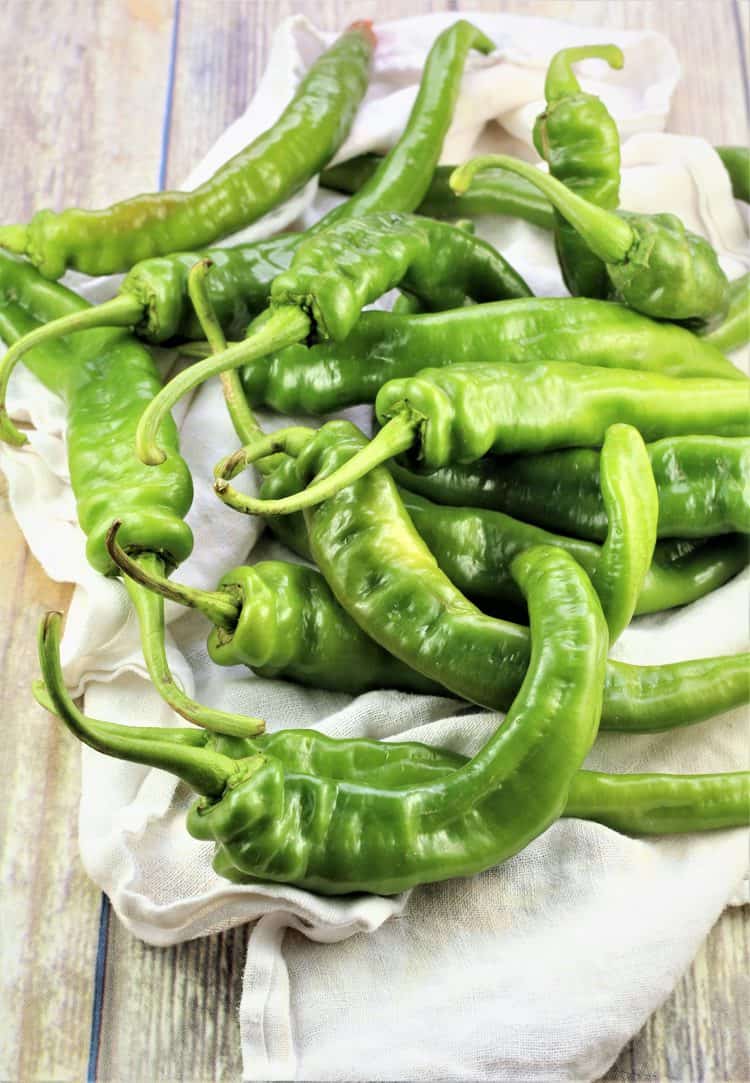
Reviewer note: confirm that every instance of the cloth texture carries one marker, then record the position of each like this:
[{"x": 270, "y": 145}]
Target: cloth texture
[{"x": 540, "y": 969}]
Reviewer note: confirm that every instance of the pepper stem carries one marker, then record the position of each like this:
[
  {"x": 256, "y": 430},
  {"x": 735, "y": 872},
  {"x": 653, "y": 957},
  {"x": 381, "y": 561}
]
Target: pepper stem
[
  {"x": 282, "y": 327},
  {"x": 561, "y": 81},
  {"x": 243, "y": 419},
  {"x": 205, "y": 771},
  {"x": 396, "y": 436},
  {"x": 150, "y": 610},
  {"x": 607, "y": 234},
  {"x": 218, "y": 606},
  {"x": 121, "y": 311}
]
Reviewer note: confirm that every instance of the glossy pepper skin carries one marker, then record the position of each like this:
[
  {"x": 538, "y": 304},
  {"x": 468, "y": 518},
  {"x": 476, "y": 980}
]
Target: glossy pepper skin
[
  {"x": 737, "y": 164},
  {"x": 336, "y": 272},
  {"x": 153, "y": 298},
  {"x": 332, "y": 375},
  {"x": 734, "y": 330},
  {"x": 106, "y": 379},
  {"x": 270, "y": 169},
  {"x": 579, "y": 140},
  {"x": 496, "y": 192},
  {"x": 386, "y": 578},
  {"x": 703, "y": 484},
  {"x": 333, "y": 275},
  {"x": 298, "y": 828},
  {"x": 654, "y": 264},
  {"x": 461, "y": 413},
  {"x": 634, "y": 804}
]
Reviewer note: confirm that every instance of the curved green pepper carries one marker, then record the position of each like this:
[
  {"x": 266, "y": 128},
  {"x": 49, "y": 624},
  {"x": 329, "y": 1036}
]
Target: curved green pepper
[
  {"x": 703, "y": 484},
  {"x": 646, "y": 804},
  {"x": 655, "y": 265},
  {"x": 734, "y": 330},
  {"x": 460, "y": 413},
  {"x": 496, "y": 192},
  {"x": 737, "y": 164},
  {"x": 579, "y": 140},
  {"x": 383, "y": 574},
  {"x": 298, "y": 828},
  {"x": 262, "y": 175}
]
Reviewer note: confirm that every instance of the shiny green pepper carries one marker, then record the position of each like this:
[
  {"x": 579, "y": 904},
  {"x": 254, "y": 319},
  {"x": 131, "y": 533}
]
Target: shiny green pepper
[
  {"x": 655, "y": 265},
  {"x": 579, "y": 140}
]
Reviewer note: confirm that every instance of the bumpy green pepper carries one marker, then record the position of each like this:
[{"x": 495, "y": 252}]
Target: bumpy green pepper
[
  {"x": 655, "y": 265},
  {"x": 460, "y": 413},
  {"x": 333, "y": 275},
  {"x": 703, "y": 484},
  {"x": 579, "y": 140},
  {"x": 384, "y": 575},
  {"x": 299, "y": 828},
  {"x": 106, "y": 379},
  {"x": 153, "y": 299},
  {"x": 330, "y": 376},
  {"x": 646, "y": 804},
  {"x": 262, "y": 175}
]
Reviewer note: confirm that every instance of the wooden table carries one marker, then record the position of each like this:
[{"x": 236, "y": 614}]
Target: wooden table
[{"x": 102, "y": 99}]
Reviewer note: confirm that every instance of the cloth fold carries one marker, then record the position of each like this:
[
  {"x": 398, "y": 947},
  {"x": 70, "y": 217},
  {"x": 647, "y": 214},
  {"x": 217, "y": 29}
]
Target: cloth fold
[{"x": 544, "y": 967}]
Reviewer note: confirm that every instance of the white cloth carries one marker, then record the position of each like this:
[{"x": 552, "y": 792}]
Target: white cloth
[{"x": 540, "y": 969}]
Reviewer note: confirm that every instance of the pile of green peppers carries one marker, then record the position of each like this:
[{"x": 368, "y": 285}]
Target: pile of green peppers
[{"x": 544, "y": 471}]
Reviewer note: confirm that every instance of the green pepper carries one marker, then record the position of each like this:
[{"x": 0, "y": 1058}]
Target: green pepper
[
  {"x": 336, "y": 837},
  {"x": 646, "y": 804},
  {"x": 737, "y": 164},
  {"x": 655, "y": 265},
  {"x": 734, "y": 330},
  {"x": 460, "y": 413},
  {"x": 579, "y": 140},
  {"x": 333, "y": 275},
  {"x": 496, "y": 192},
  {"x": 153, "y": 299},
  {"x": 386, "y": 578},
  {"x": 703, "y": 484},
  {"x": 262, "y": 175},
  {"x": 106, "y": 379},
  {"x": 330, "y": 376}
]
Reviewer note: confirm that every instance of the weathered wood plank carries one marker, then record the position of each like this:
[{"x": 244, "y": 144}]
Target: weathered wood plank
[{"x": 76, "y": 90}]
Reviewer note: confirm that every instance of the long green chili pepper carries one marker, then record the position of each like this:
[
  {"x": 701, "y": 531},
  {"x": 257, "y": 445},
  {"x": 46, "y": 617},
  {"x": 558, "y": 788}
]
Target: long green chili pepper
[
  {"x": 495, "y": 192},
  {"x": 703, "y": 484},
  {"x": 106, "y": 379},
  {"x": 383, "y": 574},
  {"x": 655, "y": 265},
  {"x": 298, "y": 828},
  {"x": 474, "y": 547},
  {"x": 647, "y": 804},
  {"x": 460, "y": 413},
  {"x": 153, "y": 299},
  {"x": 333, "y": 275},
  {"x": 579, "y": 140},
  {"x": 734, "y": 330},
  {"x": 330, "y": 376},
  {"x": 737, "y": 164},
  {"x": 271, "y": 168}
]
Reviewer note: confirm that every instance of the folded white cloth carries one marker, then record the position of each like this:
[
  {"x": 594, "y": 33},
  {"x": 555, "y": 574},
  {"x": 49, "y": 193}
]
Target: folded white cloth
[{"x": 544, "y": 967}]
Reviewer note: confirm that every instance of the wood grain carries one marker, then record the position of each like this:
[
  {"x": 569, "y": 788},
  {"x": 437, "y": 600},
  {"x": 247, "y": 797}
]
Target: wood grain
[
  {"x": 76, "y": 91},
  {"x": 90, "y": 88}
]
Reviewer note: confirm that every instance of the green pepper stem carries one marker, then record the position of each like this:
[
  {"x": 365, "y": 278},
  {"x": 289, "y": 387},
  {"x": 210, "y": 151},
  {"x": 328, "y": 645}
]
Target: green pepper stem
[
  {"x": 243, "y": 419},
  {"x": 283, "y": 327},
  {"x": 220, "y": 608},
  {"x": 607, "y": 234},
  {"x": 150, "y": 610},
  {"x": 396, "y": 436},
  {"x": 561, "y": 81},
  {"x": 122, "y": 311},
  {"x": 195, "y": 738},
  {"x": 205, "y": 771}
]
